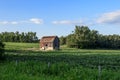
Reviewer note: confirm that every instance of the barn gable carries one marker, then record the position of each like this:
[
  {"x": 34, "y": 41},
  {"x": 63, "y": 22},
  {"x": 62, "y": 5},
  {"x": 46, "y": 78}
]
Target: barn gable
[{"x": 49, "y": 43}]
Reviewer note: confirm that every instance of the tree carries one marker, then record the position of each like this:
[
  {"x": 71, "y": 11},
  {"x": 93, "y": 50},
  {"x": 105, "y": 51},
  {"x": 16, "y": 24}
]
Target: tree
[
  {"x": 71, "y": 41},
  {"x": 82, "y": 37},
  {"x": 18, "y": 37},
  {"x": 62, "y": 40}
]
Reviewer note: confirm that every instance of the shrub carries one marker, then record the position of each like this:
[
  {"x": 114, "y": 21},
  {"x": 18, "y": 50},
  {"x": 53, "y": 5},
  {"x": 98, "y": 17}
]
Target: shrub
[{"x": 1, "y": 50}]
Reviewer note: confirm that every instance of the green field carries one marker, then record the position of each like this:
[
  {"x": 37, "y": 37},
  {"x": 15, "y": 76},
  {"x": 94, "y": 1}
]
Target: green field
[{"x": 24, "y": 61}]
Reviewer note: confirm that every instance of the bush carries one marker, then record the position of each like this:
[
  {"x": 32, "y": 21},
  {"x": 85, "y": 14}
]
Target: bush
[{"x": 1, "y": 50}]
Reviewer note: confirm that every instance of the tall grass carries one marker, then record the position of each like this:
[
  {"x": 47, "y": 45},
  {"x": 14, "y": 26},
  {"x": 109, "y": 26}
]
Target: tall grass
[
  {"x": 24, "y": 61},
  {"x": 35, "y": 70}
]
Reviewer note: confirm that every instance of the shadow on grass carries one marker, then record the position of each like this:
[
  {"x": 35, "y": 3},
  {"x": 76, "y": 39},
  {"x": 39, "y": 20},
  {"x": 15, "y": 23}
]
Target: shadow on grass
[
  {"x": 79, "y": 51},
  {"x": 92, "y": 61}
]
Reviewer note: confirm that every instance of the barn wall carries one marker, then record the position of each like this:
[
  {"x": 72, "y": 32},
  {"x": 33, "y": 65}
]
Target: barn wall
[
  {"x": 56, "y": 43},
  {"x": 47, "y": 48},
  {"x": 50, "y": 45}
]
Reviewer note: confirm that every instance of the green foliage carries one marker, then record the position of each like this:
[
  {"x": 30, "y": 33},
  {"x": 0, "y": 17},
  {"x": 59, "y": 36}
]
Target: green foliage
[
  {"x": 1, "y": 50},
  {"x": 84, "y": 38},
  {"x": 70, "y": 41},
  {"x": 62, "y": 40},
  {"x": 67, "y": 68},
  {"x": 18, "y": 37},
  {"x": 66, "y": 64},
  {"x": 109, "y": 41}
]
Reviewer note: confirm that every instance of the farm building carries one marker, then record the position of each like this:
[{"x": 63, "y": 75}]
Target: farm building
[{"x": 49, "y": 43}]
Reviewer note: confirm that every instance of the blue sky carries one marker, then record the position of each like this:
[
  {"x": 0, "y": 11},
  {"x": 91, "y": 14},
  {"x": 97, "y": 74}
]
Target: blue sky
[{"x": 59, "y": 17}]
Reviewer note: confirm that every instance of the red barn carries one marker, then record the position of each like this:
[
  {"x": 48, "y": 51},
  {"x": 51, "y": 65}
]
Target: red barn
[{"x": 49, "y": 43}]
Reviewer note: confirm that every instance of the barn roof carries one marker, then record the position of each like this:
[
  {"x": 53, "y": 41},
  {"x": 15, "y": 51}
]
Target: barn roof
[{"x": 48, "y": 38}]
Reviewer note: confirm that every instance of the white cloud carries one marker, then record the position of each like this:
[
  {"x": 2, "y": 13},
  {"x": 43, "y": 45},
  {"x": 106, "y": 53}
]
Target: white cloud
[
  {"x": 14, "y": 22},
  {"x": 68, "y": 22},
  {"x": 32, "y": 20},
  {"x": 4, "y": 22},
  {"x": 8, "y": 22},
  {"x": 36, "y": 20},
  {"x": 110, "y": 18}
]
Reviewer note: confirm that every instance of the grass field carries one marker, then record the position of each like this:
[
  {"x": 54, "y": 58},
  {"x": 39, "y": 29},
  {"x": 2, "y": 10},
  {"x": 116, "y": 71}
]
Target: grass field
[{"x": 24, "y": 61}]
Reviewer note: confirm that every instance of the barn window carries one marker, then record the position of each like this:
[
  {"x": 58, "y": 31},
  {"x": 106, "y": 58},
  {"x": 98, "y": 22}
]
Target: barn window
[{"x": 46, "y": 45}]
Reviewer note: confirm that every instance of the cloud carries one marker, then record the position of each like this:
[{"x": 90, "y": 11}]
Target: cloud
[
  {"x": 9, "y": 22},
  {"x": 3, "y": 22},
  {"x": 110, "y": 18},
  {"x": 36, "y": 20},
  {"x": 68, "y": 22},
  {"x": 14, "y": 22},
  {"x": 32, "y": 20}
]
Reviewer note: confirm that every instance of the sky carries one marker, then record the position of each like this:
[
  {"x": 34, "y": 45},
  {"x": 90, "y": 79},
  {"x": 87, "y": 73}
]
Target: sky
[{"x": 59, "y": 17}]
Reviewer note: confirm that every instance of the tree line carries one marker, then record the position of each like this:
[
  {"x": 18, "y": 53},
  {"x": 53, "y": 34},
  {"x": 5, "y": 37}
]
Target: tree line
[
  {"x": 18, "y": 37},
  {"x": 84, "y": 38}
]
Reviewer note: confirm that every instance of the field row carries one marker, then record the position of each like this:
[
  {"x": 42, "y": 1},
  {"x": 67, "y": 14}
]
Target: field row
[
  {"x": 90, "y": 61},
  {"x": 37, "y": 70},
  {"x": 24, "y": 61}
]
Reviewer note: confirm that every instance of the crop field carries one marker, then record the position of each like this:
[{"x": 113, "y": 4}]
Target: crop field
[{"x": 24, "y": 61}]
